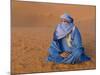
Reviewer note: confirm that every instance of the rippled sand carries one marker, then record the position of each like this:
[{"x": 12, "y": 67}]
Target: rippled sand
[{"x": 30, "y": 49}]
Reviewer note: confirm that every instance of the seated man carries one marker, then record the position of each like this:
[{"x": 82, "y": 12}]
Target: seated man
[{"x": 66, "y": 46}]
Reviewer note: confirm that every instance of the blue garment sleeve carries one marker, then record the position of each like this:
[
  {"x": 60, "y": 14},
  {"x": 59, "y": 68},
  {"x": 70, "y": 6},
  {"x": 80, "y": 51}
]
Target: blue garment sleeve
[
  {"x": 53, "y": 49},
  {"x": 54, "y": 34},
  {"x": 77, "y": 41}
]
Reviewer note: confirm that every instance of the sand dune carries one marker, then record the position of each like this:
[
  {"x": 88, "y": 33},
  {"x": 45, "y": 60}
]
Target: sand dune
[{"x": 46, "y": 14}]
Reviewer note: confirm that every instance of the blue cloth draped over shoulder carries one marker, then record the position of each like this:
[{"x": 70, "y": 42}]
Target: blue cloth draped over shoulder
[{"x": 59, "y": 45}]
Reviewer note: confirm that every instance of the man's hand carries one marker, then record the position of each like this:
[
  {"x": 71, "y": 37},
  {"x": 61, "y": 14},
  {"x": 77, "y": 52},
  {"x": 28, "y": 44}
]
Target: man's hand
[{"x": 64, "y": 54}]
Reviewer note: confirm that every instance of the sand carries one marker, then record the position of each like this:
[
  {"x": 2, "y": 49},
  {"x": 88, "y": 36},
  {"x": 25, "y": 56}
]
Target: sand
[{"x": 32, "y": 27}]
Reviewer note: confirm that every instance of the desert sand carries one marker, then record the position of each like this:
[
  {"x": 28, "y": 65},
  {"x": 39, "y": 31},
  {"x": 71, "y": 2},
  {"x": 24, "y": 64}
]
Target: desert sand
[{"x": 32, "y": 27}]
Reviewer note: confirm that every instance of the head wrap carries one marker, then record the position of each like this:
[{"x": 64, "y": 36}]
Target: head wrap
[
  {"x": 67, "y": 17},
  {"x": 62, "y": 29}
]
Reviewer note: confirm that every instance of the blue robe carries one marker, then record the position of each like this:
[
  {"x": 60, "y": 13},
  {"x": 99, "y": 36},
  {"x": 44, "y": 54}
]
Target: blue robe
[{"x": 58, "y": 46}]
